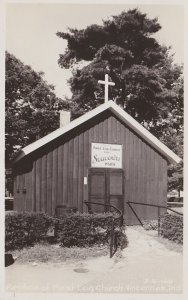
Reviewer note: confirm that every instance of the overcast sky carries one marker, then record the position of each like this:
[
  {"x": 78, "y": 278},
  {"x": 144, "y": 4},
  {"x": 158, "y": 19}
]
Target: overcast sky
[{"x": 31, "y": 32}]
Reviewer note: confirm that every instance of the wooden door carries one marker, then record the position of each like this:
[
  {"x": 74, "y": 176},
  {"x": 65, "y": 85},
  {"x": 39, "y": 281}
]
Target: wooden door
[{"x": 106, "y": 186}]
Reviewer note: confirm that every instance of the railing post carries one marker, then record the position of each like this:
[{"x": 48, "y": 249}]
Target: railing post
[
  {"x": 135, "y": 213},
  {"x": 159, "y": 221},
  {"x": 112, "y": 235},
  {"x": 112, "y": 240}
]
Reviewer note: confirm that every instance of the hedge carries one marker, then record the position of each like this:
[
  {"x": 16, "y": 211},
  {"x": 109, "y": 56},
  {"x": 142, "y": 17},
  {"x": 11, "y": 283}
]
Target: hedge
[
  {"x": 172, "y": 227},
  {"x": 82, "y": 230},
  {"x": 25, "y": 229},
  {"x": 150, "y": 224}
]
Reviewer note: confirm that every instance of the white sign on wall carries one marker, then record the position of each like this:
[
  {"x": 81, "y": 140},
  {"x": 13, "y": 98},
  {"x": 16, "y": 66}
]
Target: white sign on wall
[{"x": 106, "y": 155}]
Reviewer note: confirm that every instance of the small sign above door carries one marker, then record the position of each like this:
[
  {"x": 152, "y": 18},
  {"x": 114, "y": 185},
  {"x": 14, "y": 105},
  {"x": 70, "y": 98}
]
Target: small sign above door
[{"x": 106, "y": 155}]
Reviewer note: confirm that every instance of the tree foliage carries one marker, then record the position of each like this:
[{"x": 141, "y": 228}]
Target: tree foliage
[
  {"x": 31, "y": 107},
  {"x": 148, "y": 85},
  {"x": 123, "y": 47}
]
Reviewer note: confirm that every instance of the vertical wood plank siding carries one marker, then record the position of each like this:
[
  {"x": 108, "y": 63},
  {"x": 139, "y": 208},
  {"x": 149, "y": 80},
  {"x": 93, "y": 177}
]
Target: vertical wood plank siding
[
  {"x": 44, "y": 185},
  {"x": 57, "y": 173},
  {"x": 49, "y": 182},
  {"x": 60, "y": 177}
]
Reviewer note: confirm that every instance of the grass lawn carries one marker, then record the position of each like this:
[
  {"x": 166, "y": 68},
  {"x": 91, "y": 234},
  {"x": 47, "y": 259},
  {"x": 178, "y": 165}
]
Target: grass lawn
[{"x": 43, "y": 253}]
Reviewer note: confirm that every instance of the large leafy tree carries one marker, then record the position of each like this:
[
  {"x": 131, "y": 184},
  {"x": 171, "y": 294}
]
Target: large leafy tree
[
  {"x": 148, "y": 85},
  {"x": 31, "y": 106},
  {"x": 170, "y": 131},
  {"x": 123, "y": 47}
]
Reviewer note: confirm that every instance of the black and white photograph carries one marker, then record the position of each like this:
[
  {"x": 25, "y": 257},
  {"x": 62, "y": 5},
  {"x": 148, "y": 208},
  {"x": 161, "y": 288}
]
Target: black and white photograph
[{"x": 94, "y": 148}]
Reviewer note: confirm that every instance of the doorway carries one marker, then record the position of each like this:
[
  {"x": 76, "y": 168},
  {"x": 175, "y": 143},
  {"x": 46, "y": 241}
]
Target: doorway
[{"x": 106, "y": 186}]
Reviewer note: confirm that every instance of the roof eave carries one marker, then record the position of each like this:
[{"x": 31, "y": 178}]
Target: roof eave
[
  {"x": 120, "y": 113},
  {"x": 146, "y": 135}
]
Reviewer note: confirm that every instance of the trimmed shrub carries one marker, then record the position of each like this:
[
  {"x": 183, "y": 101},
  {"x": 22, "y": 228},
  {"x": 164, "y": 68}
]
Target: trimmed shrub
[
  {"x": 75, "y": 229},
  {"x": 172, "y": 227},
  {"x": 150, "y": 225},
  {"x": 122, "y": 241},
  {"x": 25, "y": 229},
  {"x": 84, "y": 230}
]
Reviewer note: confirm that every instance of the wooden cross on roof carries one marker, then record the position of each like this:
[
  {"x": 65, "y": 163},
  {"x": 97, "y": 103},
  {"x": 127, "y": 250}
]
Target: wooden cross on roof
[{"x": 106, "y": 84}]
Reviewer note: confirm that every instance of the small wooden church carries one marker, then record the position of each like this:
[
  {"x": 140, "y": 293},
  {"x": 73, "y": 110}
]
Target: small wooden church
[{"x": 104, "y": 156}]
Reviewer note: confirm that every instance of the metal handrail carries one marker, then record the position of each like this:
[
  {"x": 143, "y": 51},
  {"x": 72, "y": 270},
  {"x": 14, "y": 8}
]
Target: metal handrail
[
  {"x": 154, "y": 205},
  {"x": 120, "y": 217},
  {"x": 161, "y": 206}
]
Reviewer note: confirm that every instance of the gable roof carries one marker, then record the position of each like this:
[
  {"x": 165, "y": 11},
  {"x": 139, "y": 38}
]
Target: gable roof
[{"x": 121, "y": 114}]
